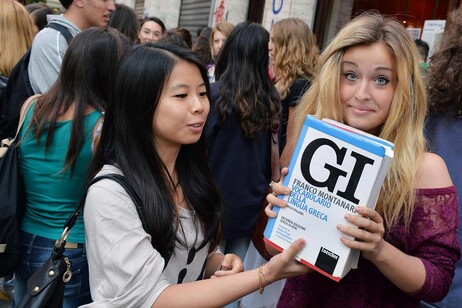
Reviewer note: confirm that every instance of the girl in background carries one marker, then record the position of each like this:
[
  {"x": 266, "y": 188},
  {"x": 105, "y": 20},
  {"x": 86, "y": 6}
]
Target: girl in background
[
  {"x": 16, "y": 34},
  {"x": 218, "y": 36},
  {"x": 244, "y": 105},
  {"x": 444, "y": 122},
  {"x": 55, "y": 150},
  {"x": 151, "y": 30},
  {"x": 294, "y": 55}
]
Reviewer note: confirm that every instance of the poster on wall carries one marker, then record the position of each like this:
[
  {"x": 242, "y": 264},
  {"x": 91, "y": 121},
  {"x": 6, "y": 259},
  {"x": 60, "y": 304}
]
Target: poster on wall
[
  {"x": 220, "y": 14},
  {"x": 432, "y": 33},
  {"x": 275, "y": 10}
]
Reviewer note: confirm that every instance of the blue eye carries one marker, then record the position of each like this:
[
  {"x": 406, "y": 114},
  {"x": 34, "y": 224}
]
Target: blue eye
[
  {"x": 350, "y": 76},
  {"x": 381, "y": 80}
]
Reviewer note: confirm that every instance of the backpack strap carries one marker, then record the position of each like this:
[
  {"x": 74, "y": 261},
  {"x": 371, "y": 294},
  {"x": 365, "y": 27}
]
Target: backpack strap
[
  {"x": 131, "y": 193},
  {"x": 24, "y": 109},
  {"x": 61, "y": 29}
]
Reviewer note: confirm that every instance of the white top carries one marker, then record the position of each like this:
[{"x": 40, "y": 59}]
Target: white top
[
  {"x": 48, "y": 49},
  {"x": 125, "y": 270}
]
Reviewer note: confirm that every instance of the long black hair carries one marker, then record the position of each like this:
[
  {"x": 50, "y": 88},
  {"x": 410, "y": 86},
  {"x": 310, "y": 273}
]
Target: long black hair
[
  {"x": 127, "y": 140},
  {"x": 246, "y": 87},
  {"x": 84, "y": 79}
]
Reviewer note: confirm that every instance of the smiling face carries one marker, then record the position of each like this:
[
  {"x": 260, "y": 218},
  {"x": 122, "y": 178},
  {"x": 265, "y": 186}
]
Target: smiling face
[
  {"x": 367, "y": 85},
  {"x": 183, "y": 108},
  {"x": 219, "y": 40},
  {"x": 150, "y": 32}
]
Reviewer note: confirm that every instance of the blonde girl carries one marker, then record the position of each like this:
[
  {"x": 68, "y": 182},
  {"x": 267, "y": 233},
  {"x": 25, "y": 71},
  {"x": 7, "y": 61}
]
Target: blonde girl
[{"x": 370, "y": 79}]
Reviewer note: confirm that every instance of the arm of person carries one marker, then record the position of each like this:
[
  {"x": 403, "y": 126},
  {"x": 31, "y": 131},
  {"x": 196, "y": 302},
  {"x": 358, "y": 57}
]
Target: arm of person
[
  {"x": 219, "y": 291},
  {"x": 125, "y": 270},
  {"x": 96, "y": 135},
  {"x": 406, "y": 271}
]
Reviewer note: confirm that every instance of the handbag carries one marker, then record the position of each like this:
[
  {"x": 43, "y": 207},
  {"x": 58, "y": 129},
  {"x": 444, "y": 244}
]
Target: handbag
[
  {"x": 262, "y": 219},
  {"x": 12, "y": 198},
  {"x": 45, "y": 288}
]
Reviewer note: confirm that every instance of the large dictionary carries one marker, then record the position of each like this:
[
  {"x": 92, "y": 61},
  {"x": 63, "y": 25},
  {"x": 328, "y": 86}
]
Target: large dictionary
[{"x": 333, "y": 169}]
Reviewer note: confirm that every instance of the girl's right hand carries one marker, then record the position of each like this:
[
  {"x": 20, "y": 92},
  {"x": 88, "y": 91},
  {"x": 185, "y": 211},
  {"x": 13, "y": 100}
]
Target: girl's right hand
[
  {"x": 278, "y": 189},
  {"x": 284, "y": 265}
]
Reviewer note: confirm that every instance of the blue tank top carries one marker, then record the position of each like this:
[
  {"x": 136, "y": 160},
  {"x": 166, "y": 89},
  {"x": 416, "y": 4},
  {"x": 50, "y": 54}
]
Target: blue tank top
[{"x": 51, "y": 193}]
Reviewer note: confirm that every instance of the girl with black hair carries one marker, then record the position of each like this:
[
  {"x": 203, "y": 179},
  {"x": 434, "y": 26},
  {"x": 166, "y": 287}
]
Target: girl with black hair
[
  {"x": 244, "y": 105},
  {"x": 151, "y": 30},
  {"x": 55, "y": 151},
  {"x": 153, "y": 136}
]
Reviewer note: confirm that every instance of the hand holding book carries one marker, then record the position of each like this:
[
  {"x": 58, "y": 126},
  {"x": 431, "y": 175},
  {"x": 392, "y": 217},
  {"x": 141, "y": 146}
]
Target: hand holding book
[
  {"x": 278, "y": 189},
  {"x": 368, "y": 233}
]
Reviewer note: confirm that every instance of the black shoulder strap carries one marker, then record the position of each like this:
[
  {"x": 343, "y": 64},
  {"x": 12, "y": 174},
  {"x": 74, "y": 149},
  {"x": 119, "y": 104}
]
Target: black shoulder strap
[
  {"x": 63, "y": 30},
  {"x": 131, "y": 193},
  {"x": 119, "y": 179}
]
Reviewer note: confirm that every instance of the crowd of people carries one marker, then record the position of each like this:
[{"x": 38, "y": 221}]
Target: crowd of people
[{"x": 188, "y": 125}]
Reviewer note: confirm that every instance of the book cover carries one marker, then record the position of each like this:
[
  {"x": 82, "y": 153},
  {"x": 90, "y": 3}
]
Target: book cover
[{"x": 334, "y": 168}]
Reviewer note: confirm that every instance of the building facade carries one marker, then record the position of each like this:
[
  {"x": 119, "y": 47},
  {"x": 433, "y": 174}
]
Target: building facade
[{"x": 325, "y": 17}]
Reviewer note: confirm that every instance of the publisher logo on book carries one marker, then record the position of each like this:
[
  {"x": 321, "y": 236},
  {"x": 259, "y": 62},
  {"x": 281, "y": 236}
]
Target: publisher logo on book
[{"x": 327, "y": 260}]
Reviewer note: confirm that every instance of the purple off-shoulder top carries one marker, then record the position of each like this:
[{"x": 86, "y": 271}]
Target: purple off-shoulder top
[{"x": 432, "y": 237}]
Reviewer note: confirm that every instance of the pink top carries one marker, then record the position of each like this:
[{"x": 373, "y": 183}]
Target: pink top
[{"x": 432, "y": 237}]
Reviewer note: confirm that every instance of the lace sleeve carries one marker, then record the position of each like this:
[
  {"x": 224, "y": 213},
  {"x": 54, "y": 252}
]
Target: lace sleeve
[{"x": 433, "y": 239}]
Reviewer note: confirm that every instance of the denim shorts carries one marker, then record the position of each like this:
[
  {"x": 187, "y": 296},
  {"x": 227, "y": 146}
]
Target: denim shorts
[{"x": 34, "y": 251}]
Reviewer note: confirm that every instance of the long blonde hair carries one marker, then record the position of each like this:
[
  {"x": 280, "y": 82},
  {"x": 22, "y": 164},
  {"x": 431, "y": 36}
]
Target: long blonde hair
[
  {"x": 295, "y": 52},
  {"x": 404, "y": 125},
  {"x": 16, "y": 34}
]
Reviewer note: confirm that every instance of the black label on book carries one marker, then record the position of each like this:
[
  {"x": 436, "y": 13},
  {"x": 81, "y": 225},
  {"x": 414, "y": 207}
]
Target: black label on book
[{"x": 327, "y": 260}]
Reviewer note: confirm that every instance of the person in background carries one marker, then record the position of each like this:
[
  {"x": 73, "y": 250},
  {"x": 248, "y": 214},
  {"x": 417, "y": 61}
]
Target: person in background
[
  {"x": 151, "y": 30},
  {"x": 423, "y": 49},
  {"x": 55, "y": 150},
  {"x": 49, "y": 45},
  {"x": 124, "y": 20},
  {"x": 16, "y": 28},
  {"x": 294, "y": 55},
  {"x": 47, "y": 51},
  {"x": 244, "y": 106},
  {"x": 220, "y": 33},
  {"x": 184, "y": 34},
  {"x": 202, "y": 46},
  {"x": 172, "y": 38},
  {"x": 370, "y": 79},
  {"x": 38, "y": 12},
  {"x": 444, "y": 124},
  {"x": 152, "y": 135},
  {"x": 198, "y": 32}
]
